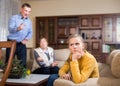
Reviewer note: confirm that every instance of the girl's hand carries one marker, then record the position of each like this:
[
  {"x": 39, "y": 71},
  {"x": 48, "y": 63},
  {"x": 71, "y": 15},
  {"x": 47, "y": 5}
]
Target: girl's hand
[
  {"x": 66, "y": 76},
  {"x": 76, "y": 55}
]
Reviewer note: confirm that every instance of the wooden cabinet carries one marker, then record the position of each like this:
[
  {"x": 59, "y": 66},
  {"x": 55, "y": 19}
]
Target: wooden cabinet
[
  {"x": 90, "y": 21},
  {"x": 58, "y": 29},
  {"x": 65, "y": 27},
  {"x": 90, "y": 28},
  {"x": 111, "y": 29},
  {"x": 46, "y": 27},
  {"x": 96, "y": 30},
  {"x": 118, "y": 29},
  {"x": 108, "y": 29}
]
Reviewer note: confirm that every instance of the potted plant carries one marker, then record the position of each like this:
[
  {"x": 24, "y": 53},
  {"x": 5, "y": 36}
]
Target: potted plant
[{"x": 17, "y": 71}]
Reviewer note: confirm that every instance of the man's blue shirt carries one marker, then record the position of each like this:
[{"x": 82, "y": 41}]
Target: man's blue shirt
[{"x": 14, "y": 23}]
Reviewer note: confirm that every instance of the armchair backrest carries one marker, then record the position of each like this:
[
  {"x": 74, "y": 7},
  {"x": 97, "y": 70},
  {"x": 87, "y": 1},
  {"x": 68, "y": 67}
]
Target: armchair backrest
[{"x": 12, "y": 46}]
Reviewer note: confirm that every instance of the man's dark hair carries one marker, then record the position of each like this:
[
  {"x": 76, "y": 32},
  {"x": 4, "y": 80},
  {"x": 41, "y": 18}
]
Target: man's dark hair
[{"x": 26, "y": 5}]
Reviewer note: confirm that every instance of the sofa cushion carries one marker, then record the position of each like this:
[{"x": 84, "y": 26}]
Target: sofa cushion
[
  {"x": 63, "y": 82},
  {"x": 111, "y": 55},
  {"x": 115, "y": 65},
  {"x": 105, "y": 70},
  {"x": 61, "y": 56},
  {"x": 35, "y": 65},
  {"x": 105, "y": 81},
  {"x": 30, "y": 58}
]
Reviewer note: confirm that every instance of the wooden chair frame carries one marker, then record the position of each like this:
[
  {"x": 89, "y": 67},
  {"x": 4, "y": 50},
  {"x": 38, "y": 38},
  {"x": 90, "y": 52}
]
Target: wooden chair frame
[{"x": 12, "y": 46}]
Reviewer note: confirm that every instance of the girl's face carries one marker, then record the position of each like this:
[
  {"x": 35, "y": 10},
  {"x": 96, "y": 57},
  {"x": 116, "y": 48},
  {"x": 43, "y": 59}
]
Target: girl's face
[
  {"x": 43, "y": 43},
  {"x": 76, "y": 45}
]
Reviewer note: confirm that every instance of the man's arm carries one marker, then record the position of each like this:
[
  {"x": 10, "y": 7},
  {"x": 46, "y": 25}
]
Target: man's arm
[
  {"x": 12, "y": 27},
  {"x": 37, "y": 57}
]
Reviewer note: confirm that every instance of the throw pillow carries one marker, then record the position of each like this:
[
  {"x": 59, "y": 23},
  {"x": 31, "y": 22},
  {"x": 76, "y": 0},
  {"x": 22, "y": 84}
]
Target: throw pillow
[
  {"x": 115, "y": 65},
  {"x": 35, "y": 65},
  {"x": 111, "y": 55}
]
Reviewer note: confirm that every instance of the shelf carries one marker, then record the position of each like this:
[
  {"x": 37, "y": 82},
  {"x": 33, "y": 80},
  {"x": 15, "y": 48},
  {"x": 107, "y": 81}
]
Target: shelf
[{"x": 90, "y": 28}]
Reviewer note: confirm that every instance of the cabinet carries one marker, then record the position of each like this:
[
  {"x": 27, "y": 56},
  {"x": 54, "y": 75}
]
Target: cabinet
[
  {"x": 46, "y": 27},
  {"x": 90, "y": 22},
  {"x": 96, "y": 30},
  {"x": 90, "y": 28},
  {"x": 65, "y": 27},
  {"x": 111, "y": 29}
]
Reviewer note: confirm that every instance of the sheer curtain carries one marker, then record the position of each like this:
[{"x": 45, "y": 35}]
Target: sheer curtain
[{"x": 7, "y": 9}]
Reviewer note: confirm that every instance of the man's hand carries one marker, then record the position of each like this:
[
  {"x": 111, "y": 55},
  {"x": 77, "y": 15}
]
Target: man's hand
[
  {"x": 24, "y": 41},
  {"x": 55, "y": 63},
  {"x": 21, "y": 27}
]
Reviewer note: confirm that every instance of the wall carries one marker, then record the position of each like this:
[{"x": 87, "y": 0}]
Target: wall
[{"x": 70, "y": 7}]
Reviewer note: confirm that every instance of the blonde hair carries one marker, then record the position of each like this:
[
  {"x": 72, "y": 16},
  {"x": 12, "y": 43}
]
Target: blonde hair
[
  {"x": 77, "y": 36},
  {"x": 74, "y": 36}
]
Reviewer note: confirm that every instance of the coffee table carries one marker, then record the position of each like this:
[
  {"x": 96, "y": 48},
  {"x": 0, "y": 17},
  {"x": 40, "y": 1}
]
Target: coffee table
[{"x": 31, "y": 80}]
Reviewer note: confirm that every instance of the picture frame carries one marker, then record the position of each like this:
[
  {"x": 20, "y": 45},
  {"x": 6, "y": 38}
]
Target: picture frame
[
  {"x": 73, "y": 31},
  {"x": 62, "y": 32},
  {"x": 95, "y": 22},
  {"x": 84, "y": 22},
  {"x": 95, "y": 46}
]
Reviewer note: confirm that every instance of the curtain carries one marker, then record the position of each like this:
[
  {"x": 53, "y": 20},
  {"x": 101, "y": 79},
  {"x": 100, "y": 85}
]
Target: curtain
[{"x": 7, "y": 9}]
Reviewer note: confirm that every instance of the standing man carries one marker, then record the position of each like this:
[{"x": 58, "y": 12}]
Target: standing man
[{"x": 20, "y": 29}]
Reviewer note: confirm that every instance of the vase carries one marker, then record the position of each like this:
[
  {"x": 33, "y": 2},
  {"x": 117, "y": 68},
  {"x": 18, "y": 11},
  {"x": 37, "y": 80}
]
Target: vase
[{"x": 15, "y": 76}]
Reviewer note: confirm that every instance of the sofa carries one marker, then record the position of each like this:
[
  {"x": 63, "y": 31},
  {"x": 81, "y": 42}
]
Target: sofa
[{"x": 109, "y": 71}]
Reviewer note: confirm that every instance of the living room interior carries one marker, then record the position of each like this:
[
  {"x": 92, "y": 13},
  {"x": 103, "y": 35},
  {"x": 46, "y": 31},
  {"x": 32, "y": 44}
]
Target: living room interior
[{"x": 98, "y": 22}]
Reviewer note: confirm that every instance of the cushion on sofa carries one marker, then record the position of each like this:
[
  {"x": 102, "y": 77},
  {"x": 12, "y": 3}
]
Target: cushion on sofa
[
  {"x": 35, "y": 65},
  {"x": 106, "y": 81},
  {"x": 63, "y": 82},
  {"x": 115, "y": 65},
  {"x": 30, "y": 58},
  {"x": 111, "y": 55},
  {"x": 61, "y": 56},
  {"x": 105, "y": 70}
]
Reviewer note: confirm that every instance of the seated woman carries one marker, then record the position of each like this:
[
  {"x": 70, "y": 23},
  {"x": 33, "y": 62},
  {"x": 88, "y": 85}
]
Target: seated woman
[
  {"x": 80, "y": 65},
  {"x": 44, "y": 56}
]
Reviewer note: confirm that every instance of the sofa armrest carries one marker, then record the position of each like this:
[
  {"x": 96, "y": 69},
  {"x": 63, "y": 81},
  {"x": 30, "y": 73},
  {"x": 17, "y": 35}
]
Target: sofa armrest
[{"x": 63, "y": 82}]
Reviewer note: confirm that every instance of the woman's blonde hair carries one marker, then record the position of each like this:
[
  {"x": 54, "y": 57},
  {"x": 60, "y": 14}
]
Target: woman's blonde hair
[
  {"x": 77, "y": 36},
  {"x": 74, "y": 36}
]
